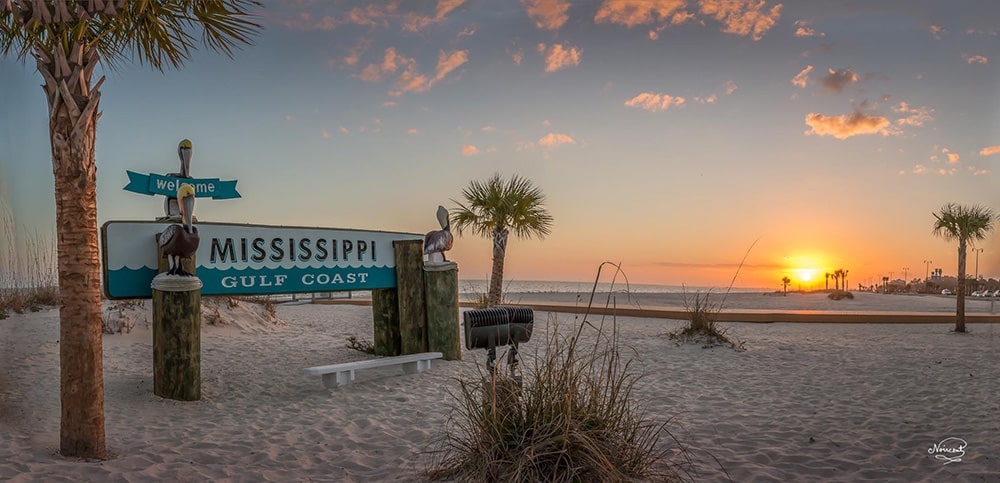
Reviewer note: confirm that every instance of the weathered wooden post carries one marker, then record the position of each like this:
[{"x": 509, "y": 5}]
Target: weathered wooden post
[
  {"x": 177, "y": 334},
  {"x": 385, "y": 311},
  {"x": 443, "y": 332},
  {"x": 412, "y": 301}
]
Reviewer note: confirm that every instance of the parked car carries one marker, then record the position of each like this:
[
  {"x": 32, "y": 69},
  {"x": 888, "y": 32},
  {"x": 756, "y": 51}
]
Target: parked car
[
  {"x": 996, "y": 293},
  {"x": 946, "y": 292},
  {"x": 977, "y": 293}
]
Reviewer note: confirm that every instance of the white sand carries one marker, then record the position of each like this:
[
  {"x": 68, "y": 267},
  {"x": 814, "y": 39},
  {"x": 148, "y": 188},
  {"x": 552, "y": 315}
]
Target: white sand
[{"x": 873, "y": 398}]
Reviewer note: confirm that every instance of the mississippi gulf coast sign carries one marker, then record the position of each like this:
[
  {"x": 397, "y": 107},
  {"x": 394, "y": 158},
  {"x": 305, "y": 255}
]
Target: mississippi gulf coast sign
[{"x": 238, "y": 259}]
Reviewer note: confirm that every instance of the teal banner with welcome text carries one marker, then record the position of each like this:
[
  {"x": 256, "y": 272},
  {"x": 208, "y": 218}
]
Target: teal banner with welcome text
[{"x": 155, "y": 184}]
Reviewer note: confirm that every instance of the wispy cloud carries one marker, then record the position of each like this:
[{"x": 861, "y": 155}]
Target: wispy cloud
[
  {"x": 978, "y": 171},
  {"x": 560, "y": 56},
  {"x": 838, "y": 80},
  {"x": 730, "y": 87},
  {"x": 325, "y": 134},
  {"x": 413, "y": 131},
  {"x": 552, "y": 140},
  {"x": 803, "y": 28},
  {"x": 991, "y": 150},
  {"x": 743, "y": 17},
  {"x": 415, "y": 22},
  {"x": 487, "y": 129},
  {"x": 642, "y": 12},
  {"x": 937, "y": 31},
  {"x": 654, "y": 102},
  {"x": 919, "y": 169},
  {"x": 547, "y": 14},
  {"x": 975, "y": 59},
  {"x": 847, "y": 125},
  {"x": 411, "y": 80},
  {"x": 913, "y": 116},
  {"x": 751, "y": 18},
  {"x": 706, "y": 100},
  {"x": 801, "y": 79},
  {"x": 469, "y": 150}
]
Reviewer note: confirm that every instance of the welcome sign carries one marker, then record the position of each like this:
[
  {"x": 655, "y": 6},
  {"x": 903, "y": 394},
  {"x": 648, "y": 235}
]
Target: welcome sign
[
  {"x": 155, "y": 184},
  {"x": 238, "y": 259}
]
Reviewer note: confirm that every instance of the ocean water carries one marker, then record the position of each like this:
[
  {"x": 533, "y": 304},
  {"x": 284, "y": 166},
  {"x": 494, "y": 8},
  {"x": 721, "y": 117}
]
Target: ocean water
[{"x": 475, "y": 287}]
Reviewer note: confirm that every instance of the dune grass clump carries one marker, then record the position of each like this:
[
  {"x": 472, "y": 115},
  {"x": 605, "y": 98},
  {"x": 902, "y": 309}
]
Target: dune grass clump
[
  {"x": 702, "y": 327},
  {"x": 840, "y": 295},
  {"x": 572, "y": 416},
  {"x": 28, "y": 278},
  {"x": 360, "y": 345}
]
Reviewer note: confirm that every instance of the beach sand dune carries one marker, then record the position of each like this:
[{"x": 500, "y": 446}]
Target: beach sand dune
[{"x": 812, "y": 402}]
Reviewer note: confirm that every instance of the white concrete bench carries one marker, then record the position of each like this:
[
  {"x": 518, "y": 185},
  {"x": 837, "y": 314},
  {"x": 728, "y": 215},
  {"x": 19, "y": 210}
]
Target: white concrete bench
[{"x": 336, "y": 375}]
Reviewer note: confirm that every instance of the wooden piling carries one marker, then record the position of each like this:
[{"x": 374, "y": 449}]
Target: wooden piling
[
  {"x": 443, "y": 332},
  {"x": 176, "y": 332},
  {"x": 385, "y": 312},
  {"x": 412, "y": 302}
]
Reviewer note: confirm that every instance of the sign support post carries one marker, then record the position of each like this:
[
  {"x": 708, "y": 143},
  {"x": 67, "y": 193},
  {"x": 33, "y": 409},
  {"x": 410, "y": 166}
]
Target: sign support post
[
  {"x": 443, "y": 333},
  {"x": 177, "y": 335}
]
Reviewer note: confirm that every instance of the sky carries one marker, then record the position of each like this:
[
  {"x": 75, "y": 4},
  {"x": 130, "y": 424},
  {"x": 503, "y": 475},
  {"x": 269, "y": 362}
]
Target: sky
[{"x": 675, "y": 137}]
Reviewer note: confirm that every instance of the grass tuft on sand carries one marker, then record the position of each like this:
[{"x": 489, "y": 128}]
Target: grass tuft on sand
[{"x": 572, "y": 416}]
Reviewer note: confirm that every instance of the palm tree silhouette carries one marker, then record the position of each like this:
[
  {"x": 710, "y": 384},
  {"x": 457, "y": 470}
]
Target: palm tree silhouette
[
  {"x": 495, "y": 208},
  {"x": 967, "y": 224}
]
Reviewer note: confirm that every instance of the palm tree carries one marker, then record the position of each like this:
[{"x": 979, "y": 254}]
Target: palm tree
[
  {"x": 68, "y": 40},
  {"x": 785, "y": 281},
  {"x": 828, "y": 280},
  {"x": 967, "y": 224},
  {"x": 495, "y": 208}
]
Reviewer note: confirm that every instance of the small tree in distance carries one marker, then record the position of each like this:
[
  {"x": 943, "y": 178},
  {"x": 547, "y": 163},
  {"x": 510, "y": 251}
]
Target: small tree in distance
[{"x": 496, "y": 207}]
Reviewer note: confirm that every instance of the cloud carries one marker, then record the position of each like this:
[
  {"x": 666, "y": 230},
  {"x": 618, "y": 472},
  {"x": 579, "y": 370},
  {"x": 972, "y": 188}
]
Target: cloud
[
  {"x": 411, "y": 80},
  {"x": 919, "y": 169},
  {"x": 804, "y": 29},
  {"x": 847, "y": 125},
  {"x": 743, "y": 17},
  {"x": 289, "y": 118},
  {"x": 802, "y": 78},
  {"x": 552, "y": 140},
  {"x": 469, "y": 150},
  {"x": 654, "y": 102},
  {"x": 952, "y": 157},
  {"x": 344, "y": 130},
  {"x": 978, "y": 172},
  {"x": 517, "y": 56},
  {"x": 547, "y": 14},
  {"x": 641, "y": 12},
  {"x": 413, "y": 130},
  {"x": 937, "y": 31},
  {"x": 838, "y": 80},
  {"x": 367, "y": 16},
  {"x": 389, "y": 104},
  {"x": 415, "y": 22},
  {"x": 730, "y": 87},
  {"x": 914, "y": 116},
  {"x": 988, "y": 151},
  {"x": 326, "y": 134},
  {"x": 487, "y": 129},
  {"x": 559, "y": 57},
  {"x": 975, "y": 59},
  {"x": 947, "y": 172},
  {"x": 706, "y": 100}
]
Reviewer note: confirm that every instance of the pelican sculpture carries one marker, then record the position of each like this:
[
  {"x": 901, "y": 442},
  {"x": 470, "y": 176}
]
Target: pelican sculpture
[
  {"x": 181, "y": 241},
  {"x": 170, "y": 206},
  {"x": 439, "y": 241}
]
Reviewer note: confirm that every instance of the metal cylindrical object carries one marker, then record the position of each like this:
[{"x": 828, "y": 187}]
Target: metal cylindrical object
[{"x": 496, "y": 326}]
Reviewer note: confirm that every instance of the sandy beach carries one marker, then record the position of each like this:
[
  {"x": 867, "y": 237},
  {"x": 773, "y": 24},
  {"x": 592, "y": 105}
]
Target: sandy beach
[{"x": 804, "y": 402}]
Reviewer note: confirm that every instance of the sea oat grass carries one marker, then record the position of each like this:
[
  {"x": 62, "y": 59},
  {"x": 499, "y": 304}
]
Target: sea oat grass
[{"x": 572, "y": 415}]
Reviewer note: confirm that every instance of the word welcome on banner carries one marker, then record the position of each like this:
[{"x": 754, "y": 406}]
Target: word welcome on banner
[
  {"x": 238, "y": 259},
  {"x": 155, "y": 184}
]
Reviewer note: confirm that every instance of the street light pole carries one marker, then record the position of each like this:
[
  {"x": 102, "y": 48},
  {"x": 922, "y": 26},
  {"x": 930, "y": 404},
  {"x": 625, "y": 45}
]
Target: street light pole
[
  {"x": 905, "y": 270},
  {"x": 927, "y": 272},
  {"x": 977, "y": 251}
]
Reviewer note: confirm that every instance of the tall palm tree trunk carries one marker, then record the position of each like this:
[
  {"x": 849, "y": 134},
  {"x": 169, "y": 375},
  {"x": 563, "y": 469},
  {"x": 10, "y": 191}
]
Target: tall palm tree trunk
[
  {"x": 73, "y": 114},
  {"x": 960, "y": 290},
  {"x": 496, "y": 278}
]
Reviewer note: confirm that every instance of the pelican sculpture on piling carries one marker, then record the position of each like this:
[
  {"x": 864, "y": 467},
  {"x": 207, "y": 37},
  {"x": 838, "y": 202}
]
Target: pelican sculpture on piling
[
  {"x": 179, "y": 241},
  {"x": 184, "y": 149},
  {"x": 439, "y": 241}
]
